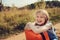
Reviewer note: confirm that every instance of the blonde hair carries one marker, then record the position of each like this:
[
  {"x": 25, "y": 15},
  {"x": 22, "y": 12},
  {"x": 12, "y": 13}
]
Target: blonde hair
[{"x": 41, "y": 11}]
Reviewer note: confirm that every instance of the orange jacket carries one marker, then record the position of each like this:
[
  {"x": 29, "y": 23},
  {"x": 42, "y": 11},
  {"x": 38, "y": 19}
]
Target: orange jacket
[{"x": 30, "y": 35}]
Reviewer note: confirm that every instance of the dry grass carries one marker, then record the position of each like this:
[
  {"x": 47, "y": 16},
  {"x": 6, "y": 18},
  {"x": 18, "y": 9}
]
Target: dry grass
[
  {"x": 10, "y": 19},
  {"x": 14, "y": 17}
]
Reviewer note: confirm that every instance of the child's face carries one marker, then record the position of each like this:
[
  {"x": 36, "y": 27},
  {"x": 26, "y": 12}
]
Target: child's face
[{"x": 40, "y": 18}]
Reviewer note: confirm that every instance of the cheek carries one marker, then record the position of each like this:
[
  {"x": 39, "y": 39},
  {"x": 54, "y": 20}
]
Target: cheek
[
  {"x": 37, "y": 19},
  {"x": 43, "y": 20}
]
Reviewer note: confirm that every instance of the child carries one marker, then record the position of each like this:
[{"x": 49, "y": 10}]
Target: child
[{"x": 42, "y": 24}]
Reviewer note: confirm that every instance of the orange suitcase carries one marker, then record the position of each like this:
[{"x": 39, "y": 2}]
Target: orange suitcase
[{"x": 30, "y": 35}]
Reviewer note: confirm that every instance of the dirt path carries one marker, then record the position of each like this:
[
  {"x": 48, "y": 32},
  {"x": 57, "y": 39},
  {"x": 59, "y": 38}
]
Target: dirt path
[{"x": 21, "y": 36}]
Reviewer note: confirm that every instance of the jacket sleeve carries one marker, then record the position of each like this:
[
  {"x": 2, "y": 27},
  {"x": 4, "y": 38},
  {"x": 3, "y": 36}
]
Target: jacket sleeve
[
  {"x": 27, "y": 27},
  {"x": 41, "y": 29}
]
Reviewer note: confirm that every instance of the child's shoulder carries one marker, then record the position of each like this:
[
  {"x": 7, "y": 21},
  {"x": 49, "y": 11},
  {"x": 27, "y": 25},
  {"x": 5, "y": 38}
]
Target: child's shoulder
[{"x": 49, "y": 22}]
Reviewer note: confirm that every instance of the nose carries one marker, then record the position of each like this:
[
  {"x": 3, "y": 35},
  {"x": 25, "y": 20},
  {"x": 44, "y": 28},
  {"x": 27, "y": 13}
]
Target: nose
[{"x": 39, "y": 18}]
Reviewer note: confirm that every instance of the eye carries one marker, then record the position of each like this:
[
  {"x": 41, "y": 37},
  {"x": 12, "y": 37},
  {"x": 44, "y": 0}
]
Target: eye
[
  {"x": 41, "y": 17},
  {"x": 37, "y": 16}
]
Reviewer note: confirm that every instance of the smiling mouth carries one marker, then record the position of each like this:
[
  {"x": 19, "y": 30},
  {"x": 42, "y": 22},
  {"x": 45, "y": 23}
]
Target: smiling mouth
[{"x": 40, "y": 21}]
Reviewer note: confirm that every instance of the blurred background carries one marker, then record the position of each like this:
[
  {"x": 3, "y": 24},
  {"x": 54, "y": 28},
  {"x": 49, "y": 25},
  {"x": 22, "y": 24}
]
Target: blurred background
[{"x": 15, "y": 14}]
